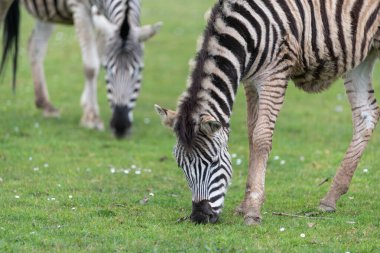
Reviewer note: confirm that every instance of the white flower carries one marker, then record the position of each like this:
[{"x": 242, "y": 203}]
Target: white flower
[
  {"x": 73, "y": 208},
  {"x": 112, "y": 170},
  {"x": 126, "y": 171},
  {"x": 234, "y": 155},
  {"x": 70, "y": 196},
  {"x": 282, "y": 162},
  {"x": 302, "y": 158},
  {"x": 151, "y": 194},
  {"x": 282, "y": 229},
  {"x": 302, "y": 235},
  {"x": 133, "y": 166},
  {"x": 239, "y": 161},
  {"x": 138, "y": 172},
  {"x": 30, "y": 158},
  {"x": 365, "y": 171},
  {"x": 17, "y": 196},
  {"x": 147, "y": 121},
  {"x": 36, "y": 169},
  {"x": 46, "y": 165},
  {"x": 276, "y": 157},
  {"x": 338, "y": 108}
]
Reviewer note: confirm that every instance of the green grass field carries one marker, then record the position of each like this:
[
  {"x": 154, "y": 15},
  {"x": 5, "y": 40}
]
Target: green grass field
[{"x": 66, "y": 189}]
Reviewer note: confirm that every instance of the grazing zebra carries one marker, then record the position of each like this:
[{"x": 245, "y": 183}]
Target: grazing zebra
[
  {"x": 109, "y": 32},
  {"x": 264, "y": 44}
]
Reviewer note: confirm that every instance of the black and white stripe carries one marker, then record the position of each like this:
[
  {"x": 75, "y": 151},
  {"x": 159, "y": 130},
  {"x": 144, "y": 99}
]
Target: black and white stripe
[
  {"x": 264, "y": 43},
  {"x": 109, "y": 32}
]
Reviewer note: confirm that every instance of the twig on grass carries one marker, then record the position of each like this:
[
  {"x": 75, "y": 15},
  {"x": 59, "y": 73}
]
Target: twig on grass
[
  {"x": 308, "y": 215},
  {"x": 324, "y": 181},
  {"x": 182, "y": 219}
]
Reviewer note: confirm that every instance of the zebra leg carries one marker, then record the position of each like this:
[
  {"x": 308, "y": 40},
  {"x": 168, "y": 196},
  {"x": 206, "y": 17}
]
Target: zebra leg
[
  {"x": 263, "y": 108},
  {"x": 87, "y": 39},
  {"x": 38, "y": 44},
  {"x": 365, "y": 114},
  {"x": 4, "y": 6},
  {"x": 252, "y": 107}
]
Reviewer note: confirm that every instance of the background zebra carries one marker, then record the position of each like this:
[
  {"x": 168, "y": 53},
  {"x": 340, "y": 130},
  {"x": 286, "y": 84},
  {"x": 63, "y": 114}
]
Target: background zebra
[
  {"x": 264, "y": 44},
  {"x": 110, "y": 34}
]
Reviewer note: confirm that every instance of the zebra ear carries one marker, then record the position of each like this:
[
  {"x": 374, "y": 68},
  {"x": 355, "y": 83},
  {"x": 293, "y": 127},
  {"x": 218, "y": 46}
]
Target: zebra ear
[
  {"x": 102, "y": 24},
  {"x": 148, "y": 31},
  {"x": 209, "y": 125},
  {"x": 167, "y": 116}
]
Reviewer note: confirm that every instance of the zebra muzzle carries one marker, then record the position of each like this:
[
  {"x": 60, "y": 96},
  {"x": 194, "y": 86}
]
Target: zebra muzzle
[
  {"x": 120, "y": 121},
  {"x": 202, "y": 213}
]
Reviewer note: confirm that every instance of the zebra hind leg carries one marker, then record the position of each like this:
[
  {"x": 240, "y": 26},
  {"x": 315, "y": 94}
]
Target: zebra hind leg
[
  {"x": 365, "y": 115},
  {"x": 38, "y": 43},
  {"x": 4, "y": 6}
]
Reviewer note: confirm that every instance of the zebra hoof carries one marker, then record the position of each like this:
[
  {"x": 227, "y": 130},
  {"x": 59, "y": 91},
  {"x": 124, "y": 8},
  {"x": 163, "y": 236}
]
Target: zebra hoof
[
  {"x": 326, "y": 208},
  {"x": 95, "y": 124},
  {"x": 252, "y": 220}
]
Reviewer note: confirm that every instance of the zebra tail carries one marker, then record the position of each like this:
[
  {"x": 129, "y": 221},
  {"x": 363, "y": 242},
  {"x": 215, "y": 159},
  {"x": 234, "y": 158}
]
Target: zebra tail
[{"x": 11, "y": 32}]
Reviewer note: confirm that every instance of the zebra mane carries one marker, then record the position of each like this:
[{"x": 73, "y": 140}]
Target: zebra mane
[
  {"x": 125, "y": 26},
  {"x": 190, "y": 104}
]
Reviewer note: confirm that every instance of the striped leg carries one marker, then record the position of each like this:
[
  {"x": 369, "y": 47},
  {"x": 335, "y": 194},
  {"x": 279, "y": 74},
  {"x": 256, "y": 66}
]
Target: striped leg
[
  {"x": 266, "y": 106},
  {"x": 252, "y": 107},
  {"x": 365, "y": 114},
  {"x": 87, "y": 39},
  {"x": 38, "y": 43}
]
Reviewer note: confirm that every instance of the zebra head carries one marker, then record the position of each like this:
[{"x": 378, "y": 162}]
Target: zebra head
[
  {"x": 121, "y": 50},
  {"x": 205, "y": 162}
]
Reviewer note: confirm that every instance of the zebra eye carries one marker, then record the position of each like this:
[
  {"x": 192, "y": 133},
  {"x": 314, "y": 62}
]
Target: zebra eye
[{"x": 215, "y": 163}]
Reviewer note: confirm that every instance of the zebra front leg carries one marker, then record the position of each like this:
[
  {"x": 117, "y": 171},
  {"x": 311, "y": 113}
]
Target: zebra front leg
[
  {"x": 263, "y": 109},
  {"x": 252, "y": 110},
  {"x": 87, "y": 39},
  {"x": 365, "y": 115},
  {"x": 38, "y": 44}
]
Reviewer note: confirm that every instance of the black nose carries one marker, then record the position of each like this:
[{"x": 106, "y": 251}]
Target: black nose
[
  {"x": 120, "y": 122},
  {"x": 202, "y": 213}
]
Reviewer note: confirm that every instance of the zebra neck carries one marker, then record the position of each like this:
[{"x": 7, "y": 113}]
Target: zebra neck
[
  {"x": 213, "y": 82},
  {"x": 115, "y": 10}
]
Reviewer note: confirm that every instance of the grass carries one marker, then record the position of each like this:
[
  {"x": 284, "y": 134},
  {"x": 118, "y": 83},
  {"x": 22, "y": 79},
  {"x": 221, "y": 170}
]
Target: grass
[{"x": 45, "y": 161}]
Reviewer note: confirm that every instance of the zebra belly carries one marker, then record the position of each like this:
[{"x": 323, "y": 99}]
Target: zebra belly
[
  {"x": 53, "y": 11},
  {"x": 319, "y": 75},
  {"x": 317, "y": 78}
]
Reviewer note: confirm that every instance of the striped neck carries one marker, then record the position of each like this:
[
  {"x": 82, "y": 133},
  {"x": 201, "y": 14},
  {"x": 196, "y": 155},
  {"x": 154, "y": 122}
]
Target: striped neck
[{"x": 214, "y": 80}]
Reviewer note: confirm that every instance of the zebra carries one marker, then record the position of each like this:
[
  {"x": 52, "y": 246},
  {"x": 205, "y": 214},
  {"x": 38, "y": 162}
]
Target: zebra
[
  {"x": 109, "y": 33},
  {"x": 264, "y": 44}
]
